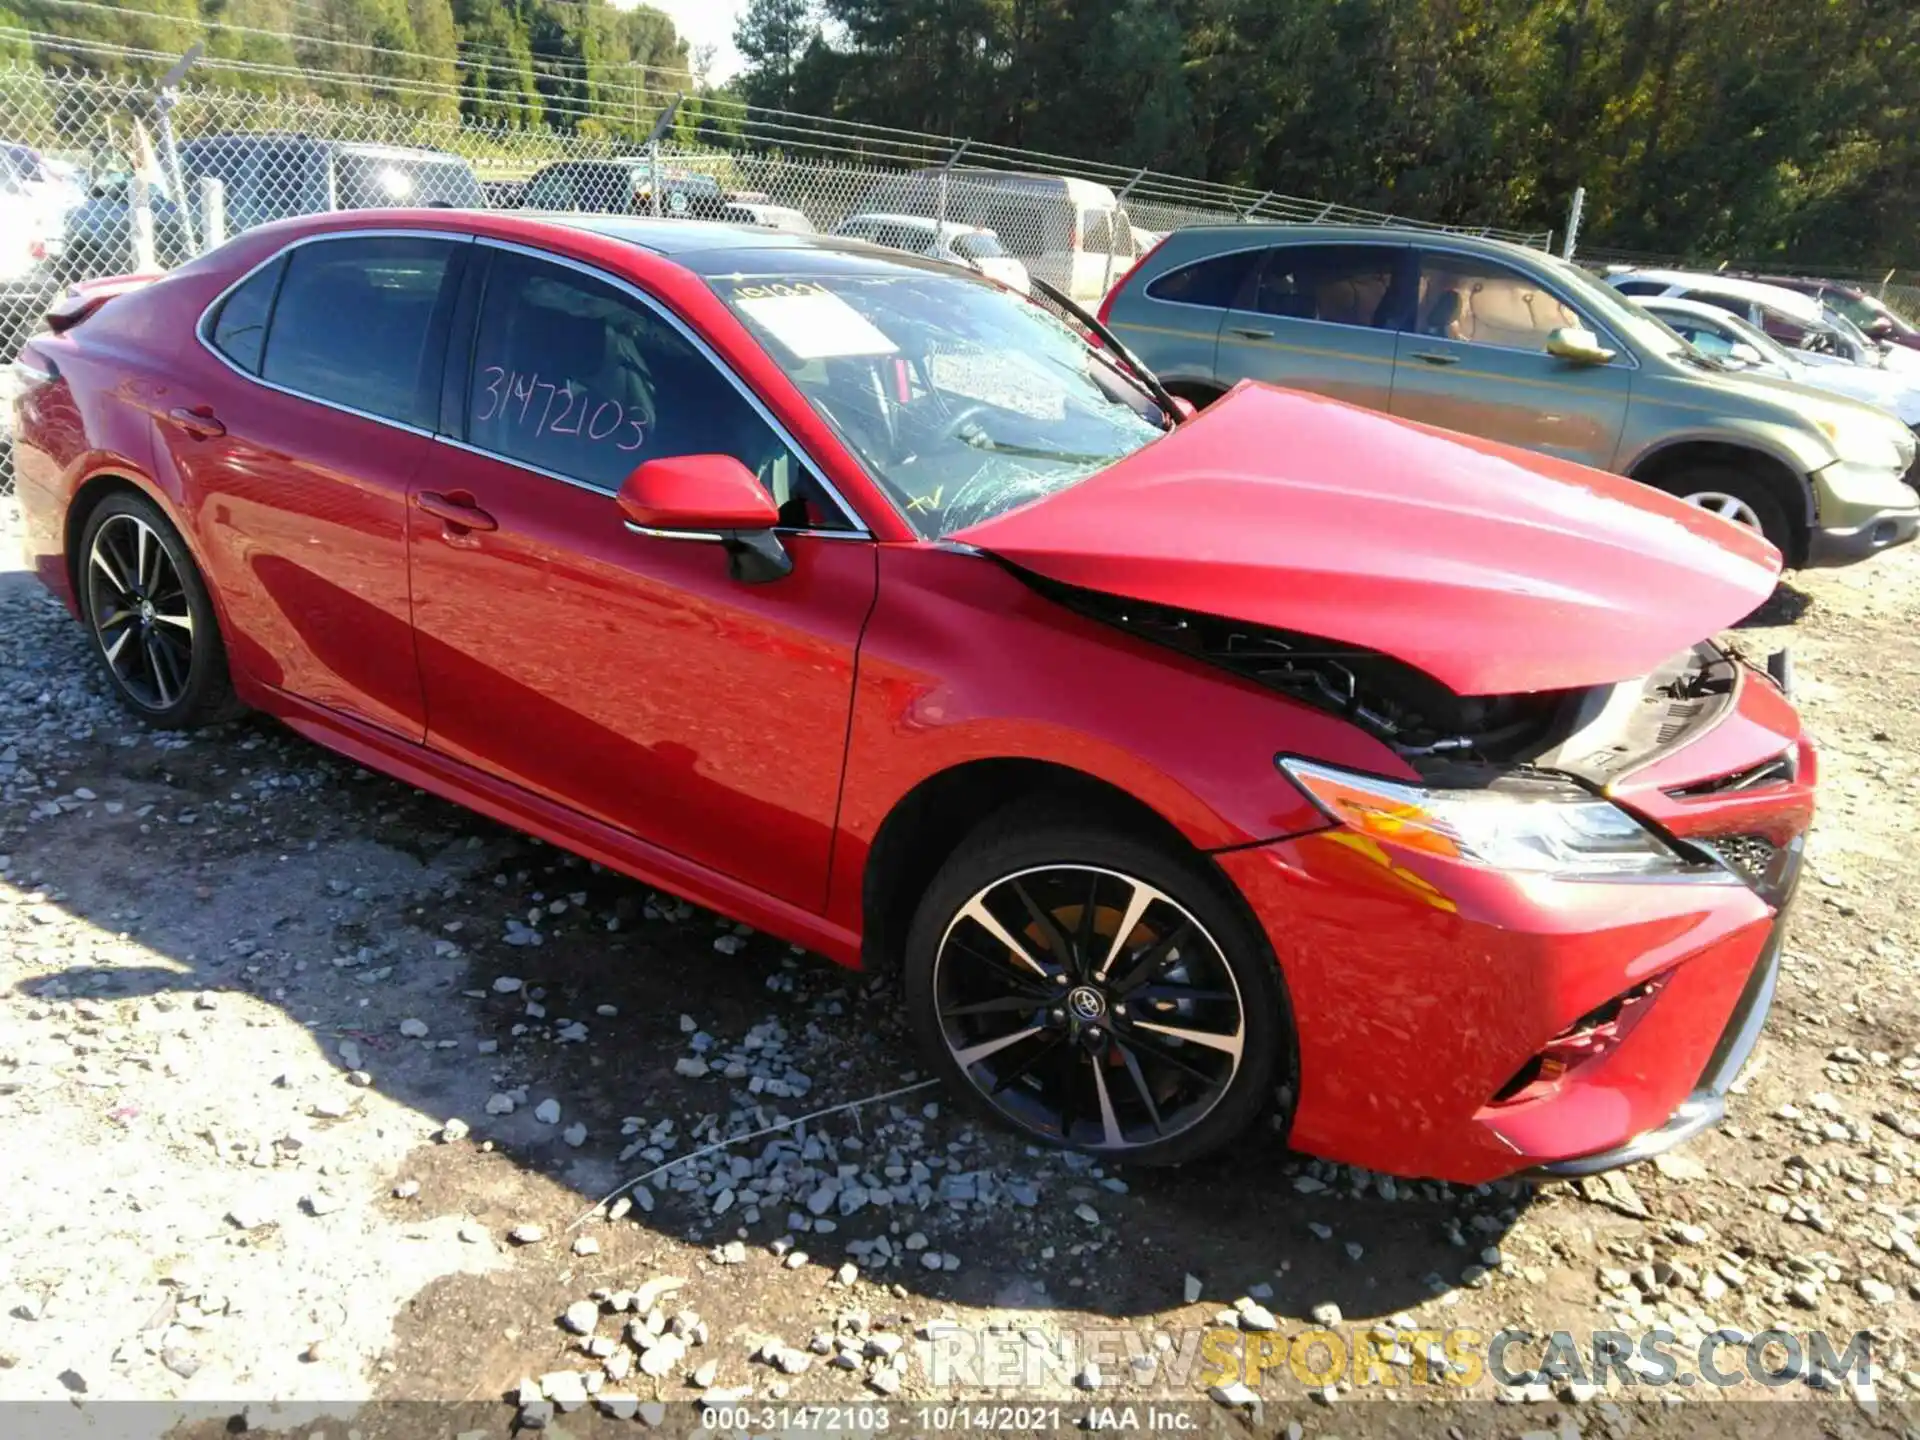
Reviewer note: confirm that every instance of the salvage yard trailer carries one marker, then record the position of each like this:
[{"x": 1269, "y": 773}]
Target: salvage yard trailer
[{"x": 1074, "y": 234}]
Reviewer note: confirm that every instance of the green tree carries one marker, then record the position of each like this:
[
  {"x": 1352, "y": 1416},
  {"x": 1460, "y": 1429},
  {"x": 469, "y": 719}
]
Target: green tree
[{"x": 773, "y": 36}]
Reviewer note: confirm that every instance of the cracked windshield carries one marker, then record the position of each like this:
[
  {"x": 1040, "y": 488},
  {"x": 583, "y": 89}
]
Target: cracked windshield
[{"x": 962, "y": 400}]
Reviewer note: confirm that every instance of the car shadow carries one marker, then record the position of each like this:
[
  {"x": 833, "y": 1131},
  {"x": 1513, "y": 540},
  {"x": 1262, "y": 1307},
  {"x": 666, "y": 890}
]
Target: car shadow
[
  {"x": 246, "y": 861},
  {"x": 1784, "y": 606}
]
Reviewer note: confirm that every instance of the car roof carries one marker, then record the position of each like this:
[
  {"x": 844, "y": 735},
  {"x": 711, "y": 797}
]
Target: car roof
[
  {"x": 1657, "y": 303},
  {"x": 914, "y": 222},
  {"x": 1269, "y": 232},
  {"x": 317, "y": 142},
  {"x": 1791, "y": 302},
  {"x": 714, "y": 247}
]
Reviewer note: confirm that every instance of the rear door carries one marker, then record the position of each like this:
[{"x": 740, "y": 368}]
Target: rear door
[
  {"x": 1475, "y": 360},
  {"x": 1322, "y": 318},
  {"x": 298, "y": 428},
  {"x": 1172, "y": 320}
]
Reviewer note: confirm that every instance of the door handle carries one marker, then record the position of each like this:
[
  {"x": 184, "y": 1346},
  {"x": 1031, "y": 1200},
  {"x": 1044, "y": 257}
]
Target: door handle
[
  {"x": 1436, "y": 357},
  {"x": 1250, "y": 333},
  {"x": 199, "y": 421},
  {"x": 457, "y": 511}
]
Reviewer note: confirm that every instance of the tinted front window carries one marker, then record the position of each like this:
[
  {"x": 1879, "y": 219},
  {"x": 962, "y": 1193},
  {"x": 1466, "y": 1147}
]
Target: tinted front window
[
  {"x": 576, "y": 377},
  {"x": 1484, "y": 302},
  {"x": 977, "y": 247},
  {"x": 1706, "y": 341},
  {"x": 353, "y": 320},
  {"x": 1337, "y": 284},
  {"x": 240, "y": 329},
  {"x": 1215, "y": 282},
  {"x": 962, "y": 399}
]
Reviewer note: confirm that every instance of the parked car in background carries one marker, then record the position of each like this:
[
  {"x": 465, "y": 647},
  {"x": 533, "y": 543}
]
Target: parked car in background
[
  {"x": 503, "y": 194},
  {"x": 967, "y": 245},
  {"x": 35, "y": 182},
  {"x": 264, "y": 177},
  {"x": 1732, "y": 341},
  {"x": 1514, "y": 345},
  {"x": 1795, "y": 320},
  {"x": 1169, "y": 763},
  {"x": 624, "y": 187},
  {"x": 1871, "y": 314},
  {"x": 766, "y": 216}
]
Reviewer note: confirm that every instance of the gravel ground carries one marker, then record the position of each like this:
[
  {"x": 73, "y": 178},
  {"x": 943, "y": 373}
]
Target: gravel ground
[{"x": 311, "y": 1087}]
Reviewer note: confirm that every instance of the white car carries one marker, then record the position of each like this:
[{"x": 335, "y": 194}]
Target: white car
[
  {"x": 1733, "y": 341},
  {"x": 1800, "y": 322},
  {"x": 973, "y": 246}
]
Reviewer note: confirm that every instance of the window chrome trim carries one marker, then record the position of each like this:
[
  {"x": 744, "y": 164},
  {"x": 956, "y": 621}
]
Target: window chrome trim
[
  {"x": 204, "y": 324},
  {"x": 858, "y": 528}
]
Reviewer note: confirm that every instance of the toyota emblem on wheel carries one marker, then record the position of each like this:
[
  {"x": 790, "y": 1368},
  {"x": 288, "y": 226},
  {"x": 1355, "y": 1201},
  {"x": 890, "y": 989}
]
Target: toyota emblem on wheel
[{"x": 1086, "y": 1003}]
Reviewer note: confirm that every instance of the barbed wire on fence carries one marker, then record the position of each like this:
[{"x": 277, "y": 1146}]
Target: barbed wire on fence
[{"x": 277, "y": 153}]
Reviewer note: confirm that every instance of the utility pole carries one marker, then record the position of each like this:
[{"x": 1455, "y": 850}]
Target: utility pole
[
  {"x": 1573, "y": 221},
  {"x": 165, "y": 98}
]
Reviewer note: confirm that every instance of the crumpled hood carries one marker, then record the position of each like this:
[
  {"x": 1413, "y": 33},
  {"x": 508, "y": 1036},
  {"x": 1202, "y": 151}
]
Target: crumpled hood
[{"x": 1493, "y": 569}]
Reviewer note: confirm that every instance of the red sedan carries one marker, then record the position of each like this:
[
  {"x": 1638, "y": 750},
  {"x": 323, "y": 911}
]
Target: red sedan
[{"x": 1183, "y": 766}]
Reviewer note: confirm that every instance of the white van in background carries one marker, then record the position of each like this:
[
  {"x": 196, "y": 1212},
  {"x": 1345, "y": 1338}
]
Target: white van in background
[{"x": 1074, "y": 234}]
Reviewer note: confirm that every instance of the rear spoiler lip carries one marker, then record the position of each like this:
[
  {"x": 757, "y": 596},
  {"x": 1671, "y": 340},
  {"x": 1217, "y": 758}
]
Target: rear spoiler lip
[{"x": 82, "y": 299}]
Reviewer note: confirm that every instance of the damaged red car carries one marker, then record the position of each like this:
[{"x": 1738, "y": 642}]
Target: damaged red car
[{"x": 1287, "y": 755}]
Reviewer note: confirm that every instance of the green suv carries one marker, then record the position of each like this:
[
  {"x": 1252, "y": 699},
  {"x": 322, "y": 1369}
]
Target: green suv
[{"x": 1514, "y": 345}]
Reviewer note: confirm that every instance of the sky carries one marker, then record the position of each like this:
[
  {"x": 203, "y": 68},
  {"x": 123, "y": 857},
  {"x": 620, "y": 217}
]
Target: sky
[{"x": 704, "y": 22}]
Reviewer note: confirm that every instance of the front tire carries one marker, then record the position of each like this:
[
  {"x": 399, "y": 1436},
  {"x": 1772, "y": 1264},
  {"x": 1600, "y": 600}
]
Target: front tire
[
  {"x": 1095, "y": 991},
  {"x": 1737, "y": 496},
  {"x": 151, "y": 619}
]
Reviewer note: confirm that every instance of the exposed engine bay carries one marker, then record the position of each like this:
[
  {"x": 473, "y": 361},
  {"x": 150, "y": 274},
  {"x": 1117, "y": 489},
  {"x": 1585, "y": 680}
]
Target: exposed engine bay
[{"x": 1594, "y": 734}]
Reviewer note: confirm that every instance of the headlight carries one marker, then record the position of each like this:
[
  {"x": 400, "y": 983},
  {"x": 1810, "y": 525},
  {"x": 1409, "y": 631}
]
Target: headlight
[
  {"x": 1857, "y": 441},
  {"x": 1533, "y": 827}
]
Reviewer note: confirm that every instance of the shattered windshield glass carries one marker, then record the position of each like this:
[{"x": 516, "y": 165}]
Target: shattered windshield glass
[{"x": 961, "y": 399}]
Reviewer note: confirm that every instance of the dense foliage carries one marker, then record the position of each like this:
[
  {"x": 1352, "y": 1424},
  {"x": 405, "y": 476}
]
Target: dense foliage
[
  {"x": 1761, "y": 128},
  {"x": 571, "y": 64}
]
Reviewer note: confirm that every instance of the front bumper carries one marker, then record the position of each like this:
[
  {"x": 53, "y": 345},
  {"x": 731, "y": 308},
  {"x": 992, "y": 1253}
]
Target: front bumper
[
  {"x": 1860, "y": 511},
  {"x": 1425, "y": 991},
  {"x": 1706, "y": 1106},
  {"x": 1884, "y": 530}
]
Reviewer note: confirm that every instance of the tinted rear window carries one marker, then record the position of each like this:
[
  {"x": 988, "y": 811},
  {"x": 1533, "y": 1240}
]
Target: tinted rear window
[
  {"x": 370, "y": 181},
  {"x": 1215, "y": 281},
  {"x": 352, "y": 322},
  {"x": 240, "y": 329}
]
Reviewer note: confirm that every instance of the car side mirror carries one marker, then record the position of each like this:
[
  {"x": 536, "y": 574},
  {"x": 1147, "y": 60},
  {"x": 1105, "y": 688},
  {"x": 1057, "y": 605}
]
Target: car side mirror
[
  {"x": 1745, "y": 354},
  {"x": 1880, "y": 327},
  {"x": 1577, "y": 346},
  {"x": 708, "y": 497}
]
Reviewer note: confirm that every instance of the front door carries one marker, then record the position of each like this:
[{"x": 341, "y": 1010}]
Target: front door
[
  {"x": 623, "y": 674},
  {"x": 1320, "y": 318},
  {"x": 1476, "y": 361},
  {"x": 297, "y": 453}
]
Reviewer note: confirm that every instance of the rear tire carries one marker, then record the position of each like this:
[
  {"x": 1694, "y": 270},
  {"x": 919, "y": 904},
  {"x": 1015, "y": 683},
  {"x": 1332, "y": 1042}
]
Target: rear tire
[
  {"x": 1154, "y": 1048},
  {"x": 1734, "y": 495},
  {"x": 151, "y": 619}
]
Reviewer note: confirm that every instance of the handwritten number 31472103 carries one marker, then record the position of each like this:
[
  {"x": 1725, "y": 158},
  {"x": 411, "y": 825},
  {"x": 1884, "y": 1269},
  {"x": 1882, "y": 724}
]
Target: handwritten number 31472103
[{"x": 511, "y": 396}]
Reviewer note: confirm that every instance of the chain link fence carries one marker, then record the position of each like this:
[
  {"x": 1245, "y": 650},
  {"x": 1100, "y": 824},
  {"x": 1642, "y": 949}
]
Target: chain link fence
[{"x": 120, "y": 182}]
